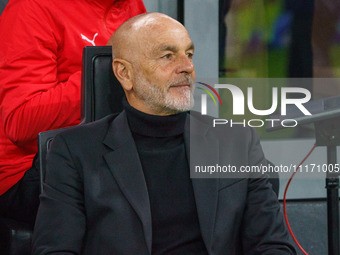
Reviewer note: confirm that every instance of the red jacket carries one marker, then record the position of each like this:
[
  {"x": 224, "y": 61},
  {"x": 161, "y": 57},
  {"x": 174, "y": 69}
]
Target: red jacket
[{"x": 41, "y": 44}]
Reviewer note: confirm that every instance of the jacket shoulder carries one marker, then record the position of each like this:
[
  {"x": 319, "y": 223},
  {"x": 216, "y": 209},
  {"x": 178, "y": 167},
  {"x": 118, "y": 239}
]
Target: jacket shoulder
[{"x": 89, "y": 132}]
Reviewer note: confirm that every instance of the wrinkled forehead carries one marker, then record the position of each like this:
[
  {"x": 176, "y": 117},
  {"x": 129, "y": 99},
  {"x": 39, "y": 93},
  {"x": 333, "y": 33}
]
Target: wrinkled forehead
[{"x": 155, "y": 32}]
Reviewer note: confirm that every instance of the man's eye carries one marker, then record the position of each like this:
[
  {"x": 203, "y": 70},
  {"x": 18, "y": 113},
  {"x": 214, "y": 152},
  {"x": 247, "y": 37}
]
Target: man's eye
[
  {"x": 167, "y": 56},
  {"x": 190, "y": 55}
]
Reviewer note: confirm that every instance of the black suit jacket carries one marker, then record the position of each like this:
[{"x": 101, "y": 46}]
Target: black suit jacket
[{"x": 95, "y": 198}]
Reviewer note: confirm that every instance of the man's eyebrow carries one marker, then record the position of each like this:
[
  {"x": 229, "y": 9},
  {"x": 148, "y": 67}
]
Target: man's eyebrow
[
  {"x": 191, "y": 46},
  {"x": 167, "y": 47}
]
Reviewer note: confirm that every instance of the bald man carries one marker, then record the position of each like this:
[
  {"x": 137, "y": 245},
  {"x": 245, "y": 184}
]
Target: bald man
[{"x": 122, "y": 185}]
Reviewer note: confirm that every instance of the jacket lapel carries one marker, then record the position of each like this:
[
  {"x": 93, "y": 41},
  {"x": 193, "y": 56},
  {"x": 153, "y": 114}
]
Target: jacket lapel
[
  {"x": 124, "y": 164},
  {"x": 202, "y": 149}
]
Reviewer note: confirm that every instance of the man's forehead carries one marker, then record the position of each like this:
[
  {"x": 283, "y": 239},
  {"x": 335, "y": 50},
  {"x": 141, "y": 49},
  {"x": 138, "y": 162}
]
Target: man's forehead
[
  {"x": 155, "y": 32},
  {"x": 171, "y": 36},
  {"x": 168, "y": 38},
  {"x": 168, "y": 46}
]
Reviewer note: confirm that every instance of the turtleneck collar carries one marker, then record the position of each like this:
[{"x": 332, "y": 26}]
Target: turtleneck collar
[{"x": 154, "y": 125}]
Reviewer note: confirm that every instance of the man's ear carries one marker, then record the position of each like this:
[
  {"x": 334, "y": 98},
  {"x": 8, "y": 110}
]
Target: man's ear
[{"x": 123, "y": 72}]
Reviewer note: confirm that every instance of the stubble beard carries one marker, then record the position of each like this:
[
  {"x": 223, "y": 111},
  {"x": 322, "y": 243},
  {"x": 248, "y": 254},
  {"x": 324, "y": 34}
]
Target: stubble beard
[{"x": 164, "y": 100}]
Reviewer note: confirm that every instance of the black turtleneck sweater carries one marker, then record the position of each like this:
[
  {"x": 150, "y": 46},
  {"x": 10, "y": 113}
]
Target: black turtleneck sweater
[{"x": 160, "y": 144}]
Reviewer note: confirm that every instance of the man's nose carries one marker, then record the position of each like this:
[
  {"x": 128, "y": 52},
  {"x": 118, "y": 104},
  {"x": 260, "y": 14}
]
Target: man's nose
[{"x": 185, "y": 65}]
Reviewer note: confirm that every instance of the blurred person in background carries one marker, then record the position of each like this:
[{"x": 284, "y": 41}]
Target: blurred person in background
[{"x": 40, "y": 64}]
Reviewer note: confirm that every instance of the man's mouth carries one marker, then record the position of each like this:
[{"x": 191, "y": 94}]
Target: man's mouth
[{"x": 181, "y": 85}]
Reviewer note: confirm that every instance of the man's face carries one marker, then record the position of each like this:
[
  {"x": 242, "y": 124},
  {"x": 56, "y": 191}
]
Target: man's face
[{"x": 164, "y": 75}]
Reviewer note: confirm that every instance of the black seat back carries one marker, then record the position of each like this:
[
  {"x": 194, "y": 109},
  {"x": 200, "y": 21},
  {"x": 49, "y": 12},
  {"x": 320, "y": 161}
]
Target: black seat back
[
  {"x": 101, "y": 92},
  {"x": 101, "y": 95},
  {"x": 44, "y": 142}
]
